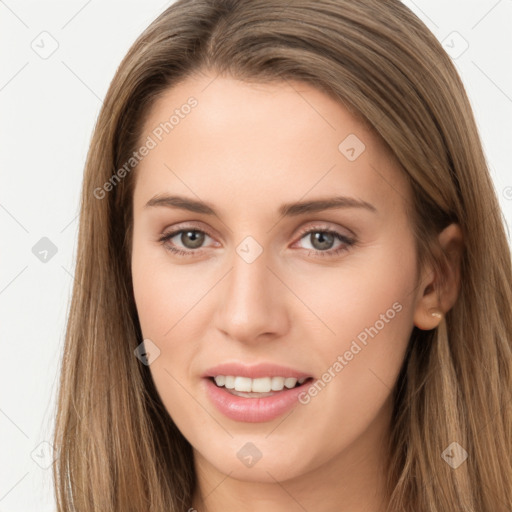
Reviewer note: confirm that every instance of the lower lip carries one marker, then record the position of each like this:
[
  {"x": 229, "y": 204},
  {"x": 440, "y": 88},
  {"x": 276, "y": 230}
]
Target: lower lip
[{"x": 252, "y": 410}]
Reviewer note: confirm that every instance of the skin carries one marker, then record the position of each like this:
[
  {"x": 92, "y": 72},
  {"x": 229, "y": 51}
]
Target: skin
[{"x": 246, "y": 149}]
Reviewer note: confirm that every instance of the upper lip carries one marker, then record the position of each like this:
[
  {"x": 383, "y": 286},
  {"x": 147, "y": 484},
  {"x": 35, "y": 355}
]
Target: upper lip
[{"x": 254, "y": 371}]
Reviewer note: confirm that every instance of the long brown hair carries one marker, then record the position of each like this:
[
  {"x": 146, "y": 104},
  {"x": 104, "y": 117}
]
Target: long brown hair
[{"x": 118, "y": 449}]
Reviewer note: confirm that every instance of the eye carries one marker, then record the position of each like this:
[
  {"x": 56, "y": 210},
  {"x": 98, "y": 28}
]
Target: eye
[
  {"x": 191, "y": 238},
  {"x": 322, "y": 239}
]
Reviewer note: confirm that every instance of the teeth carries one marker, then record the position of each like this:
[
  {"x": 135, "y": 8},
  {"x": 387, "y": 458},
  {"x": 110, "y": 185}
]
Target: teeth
[
  {"x": 220, "y": 380},
  {"x": 243, "y": 384},
  {"x": 259, "y": 385},
  {"x": 229, "y": 382},
  {"x": 277, "y": 383},
  {"x": 290, "y": 382}
]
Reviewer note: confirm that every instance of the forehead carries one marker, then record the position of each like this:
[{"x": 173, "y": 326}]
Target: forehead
[{"x": 247, "y": 143}]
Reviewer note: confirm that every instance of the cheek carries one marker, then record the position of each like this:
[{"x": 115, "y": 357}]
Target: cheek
[
  {"x": 369, "y": 295},
  {"x": 170, "y": 305},
  {"x": 164, "y": 294},
  {"x": 369, "y": 311},
  {"x": 165, "y": 299}
]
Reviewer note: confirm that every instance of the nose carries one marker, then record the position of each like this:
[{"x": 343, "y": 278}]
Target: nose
[{"x": 252, "y": 301}]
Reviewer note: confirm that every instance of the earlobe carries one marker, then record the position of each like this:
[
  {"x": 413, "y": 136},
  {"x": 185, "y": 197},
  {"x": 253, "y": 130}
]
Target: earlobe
[
  {"x": 438, "y": 294},
  {"x": 436, "y": 313},
  {"x": 427, "y": 318}
]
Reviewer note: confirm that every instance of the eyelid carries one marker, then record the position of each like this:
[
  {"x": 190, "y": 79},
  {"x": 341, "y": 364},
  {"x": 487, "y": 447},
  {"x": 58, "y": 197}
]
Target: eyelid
[
  {"x": 187, "y": 226},
  {"x": 195, "y": 225},
  {"x": 326, "y": 227}
]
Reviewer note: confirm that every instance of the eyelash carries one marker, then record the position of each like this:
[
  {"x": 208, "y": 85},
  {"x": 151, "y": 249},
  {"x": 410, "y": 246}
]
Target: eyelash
[{"x": 349, "y": 242}]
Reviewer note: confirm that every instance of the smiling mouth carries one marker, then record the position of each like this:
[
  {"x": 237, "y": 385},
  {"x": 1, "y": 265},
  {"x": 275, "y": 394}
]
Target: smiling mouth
[{"x": 257, "y": 388}]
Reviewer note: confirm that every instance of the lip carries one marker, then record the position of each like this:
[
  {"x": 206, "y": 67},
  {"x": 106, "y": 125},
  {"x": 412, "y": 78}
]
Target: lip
[
  {"x": 252, "y": 410},
  {"x": 254, "y": 371}
]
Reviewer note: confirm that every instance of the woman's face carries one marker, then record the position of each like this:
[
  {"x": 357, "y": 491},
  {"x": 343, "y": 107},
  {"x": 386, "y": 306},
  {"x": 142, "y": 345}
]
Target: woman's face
[{"x": 304, "y": 290}]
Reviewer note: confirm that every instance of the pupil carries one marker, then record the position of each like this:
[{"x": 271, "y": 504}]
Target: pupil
[
  {"x": 321, "y": 238},
  {"x": 196, "y": 236}
]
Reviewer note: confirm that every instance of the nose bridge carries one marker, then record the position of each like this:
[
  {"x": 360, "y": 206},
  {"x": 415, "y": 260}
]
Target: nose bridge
[{"x": 252, "y": 301}]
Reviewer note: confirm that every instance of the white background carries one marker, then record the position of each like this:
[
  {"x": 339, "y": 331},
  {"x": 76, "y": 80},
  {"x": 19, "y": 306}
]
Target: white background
[{"x": 48, "y": 110}]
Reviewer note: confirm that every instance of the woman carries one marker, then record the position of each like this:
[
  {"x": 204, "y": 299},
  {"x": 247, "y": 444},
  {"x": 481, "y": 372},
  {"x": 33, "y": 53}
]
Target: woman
[{"x": 212, "y": 360}]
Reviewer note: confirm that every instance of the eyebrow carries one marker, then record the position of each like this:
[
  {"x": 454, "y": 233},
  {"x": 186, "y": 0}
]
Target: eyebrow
[{"x": 285, "y": 210}]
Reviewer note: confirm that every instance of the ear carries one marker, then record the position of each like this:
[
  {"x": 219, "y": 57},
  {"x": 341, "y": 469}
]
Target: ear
[{"x": 438, "y": 293}]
